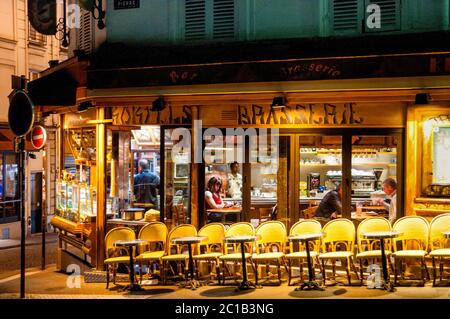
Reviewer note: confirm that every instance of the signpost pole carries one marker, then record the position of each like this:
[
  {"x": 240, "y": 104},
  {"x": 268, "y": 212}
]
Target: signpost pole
[{"x": 21, "y": 149}]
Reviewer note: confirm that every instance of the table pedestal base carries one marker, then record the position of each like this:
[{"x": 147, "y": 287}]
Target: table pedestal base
[
  {"x": 309, "y": 285},
  {"x": 388, "y": 285},
  {"x": 191, "y": 283},
  {"x": 245, "y": 285},
  {"x": 134, "y": 287}
]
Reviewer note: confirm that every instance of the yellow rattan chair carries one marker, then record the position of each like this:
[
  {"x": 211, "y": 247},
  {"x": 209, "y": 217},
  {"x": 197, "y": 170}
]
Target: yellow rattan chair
[
  {"x": 232, "y": 252},
  {"x": 338, "y": 244},
  {"x": 155, "y": 233},
  {"x": 412, "y": 244},
  {"x": 175, "y": 253},
  {"x": 270, "y": 247},
  {"x": 211, "y": 248},
  {"x": 370, "y": 248},
  {"x": 439, "y": 246},
  {"x": 309, "y": 226},
  {"x": 115, "y": 255}
]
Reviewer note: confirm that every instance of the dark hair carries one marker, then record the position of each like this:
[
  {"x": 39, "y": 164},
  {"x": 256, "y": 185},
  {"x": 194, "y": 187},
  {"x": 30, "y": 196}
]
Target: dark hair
[
  {"x": 390, "y": 182},
  {"x": 233, "y": 163},
  {"x": 213, "y": 181}
]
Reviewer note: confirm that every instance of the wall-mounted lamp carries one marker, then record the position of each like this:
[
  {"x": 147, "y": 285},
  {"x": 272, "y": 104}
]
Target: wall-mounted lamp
[
  {"x": 84, "y": 106},
  {"x": 158, "y": 104},
  {"x": 278, "y": 102},
  {"x": 422, "y": 98}
]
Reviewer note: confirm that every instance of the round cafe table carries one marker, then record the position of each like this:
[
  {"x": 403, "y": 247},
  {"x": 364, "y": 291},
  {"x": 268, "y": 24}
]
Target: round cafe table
[
  {"x": 130, "y": 244},
  {"x": 235, "y": 210},
  {"x": 306, "y": 238},
  {"x": 189, "y": 240},
  {"x": 245, "y": 284},
  {"x": 382, "y": 235}
]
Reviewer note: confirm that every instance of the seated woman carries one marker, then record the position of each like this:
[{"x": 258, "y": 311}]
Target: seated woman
[{"x": 213, "y": 199}]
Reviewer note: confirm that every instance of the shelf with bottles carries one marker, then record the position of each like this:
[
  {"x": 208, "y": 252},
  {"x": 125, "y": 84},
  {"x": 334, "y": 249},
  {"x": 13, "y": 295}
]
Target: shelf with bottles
[{"x": 353, "y": 164}]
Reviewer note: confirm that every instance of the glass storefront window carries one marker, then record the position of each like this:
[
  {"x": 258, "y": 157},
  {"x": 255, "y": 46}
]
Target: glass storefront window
[
  {"x": 441, "y": 153},
  {"x": 9, "y": 187}
]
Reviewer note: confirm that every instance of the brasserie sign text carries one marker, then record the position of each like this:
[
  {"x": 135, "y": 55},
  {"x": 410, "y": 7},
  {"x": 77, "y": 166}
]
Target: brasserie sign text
[{"x": 309, "y": 114}]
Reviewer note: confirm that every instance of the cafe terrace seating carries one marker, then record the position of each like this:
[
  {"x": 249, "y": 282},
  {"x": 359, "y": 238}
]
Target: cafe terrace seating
[
  {"x": 370, "y": 248},
  {"x": 211, "y": 248},
  {"x": 175, "y": 253},
  {"x": 439, "y": 247},
  {"x": 155, "y": 233},
  {"x": 115, "y": 255},
  {"x": 270, "y": 246},
  {"x": 411, "y": 244},
  {"x": 308, "y": 226},
  {"x": 232, "y": 251},
  {"x": 338, "y": 244}
]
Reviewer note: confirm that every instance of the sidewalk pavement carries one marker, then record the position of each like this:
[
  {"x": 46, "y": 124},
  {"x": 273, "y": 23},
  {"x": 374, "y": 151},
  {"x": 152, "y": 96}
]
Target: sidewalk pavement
[
  {"x": 35, "y": 239},
  {"x": 50, "y": 284}
]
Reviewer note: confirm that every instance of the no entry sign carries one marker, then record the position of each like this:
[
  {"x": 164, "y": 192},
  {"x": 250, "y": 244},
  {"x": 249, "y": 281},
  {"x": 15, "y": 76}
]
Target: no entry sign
[{"x": 38, "y": 137}]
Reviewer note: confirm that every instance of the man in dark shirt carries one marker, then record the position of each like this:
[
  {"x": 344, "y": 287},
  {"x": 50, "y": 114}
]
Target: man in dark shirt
[
  {"x": 331, "y": 204},
  {"x": 145, "y": 184}
]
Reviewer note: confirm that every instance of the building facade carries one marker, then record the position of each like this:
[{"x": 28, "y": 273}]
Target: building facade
[
  {"x": 23, "y": 51},
  {"x": 357, "y": 92}
]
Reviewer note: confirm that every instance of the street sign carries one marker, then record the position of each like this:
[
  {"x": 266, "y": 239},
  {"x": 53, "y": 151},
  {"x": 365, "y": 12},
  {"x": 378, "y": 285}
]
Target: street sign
[
  {"x": 38, "y": 137},
  {"x": 20, "y": 113}
]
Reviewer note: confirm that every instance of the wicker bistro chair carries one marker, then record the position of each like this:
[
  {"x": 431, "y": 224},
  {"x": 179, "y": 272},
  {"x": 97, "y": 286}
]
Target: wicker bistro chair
[
  {"x": 231, "y": 251},
  {"x": 438, "y": 247},
  {"x": 271, "y": 234},
  {"x": 211, "y": 248},
  {"x": 175, "y": 252},
  {"x": 338, "y": 244},
  {"x": 310, "y": 226},
  {"x": 370, "y": 248},
  {"x": 412, "y": 244},
  {"x": 155, "y": 233},
  {"x": 115, "y": 255}
]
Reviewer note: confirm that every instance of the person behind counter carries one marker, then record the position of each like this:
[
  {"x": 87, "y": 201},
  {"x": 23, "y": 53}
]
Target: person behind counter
[
  {"x": 390, "y": 203},
  {"x": 213, "y": 198},
  {"x": 234, "y": 182},
  {"x": 145, "y": 184},
  {"x": 330, "y": 205}
]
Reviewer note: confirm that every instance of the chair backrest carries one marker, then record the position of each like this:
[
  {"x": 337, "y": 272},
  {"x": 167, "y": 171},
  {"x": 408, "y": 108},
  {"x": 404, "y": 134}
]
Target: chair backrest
[
  {"x": 183, "y": 230},
  {"x": 214, "y": 233},
  {"x": 310, "y": 226},
  {"x": 373, "y": 224},
  {"x": 338, "y": 232},
  {"x": 270, "y": 234},
  {"x": 438, "y": 225},
  {"x": 154, "y": 232},
  {"x": 415, "y": 231},
  {"x": 239, "y": 229},
  {"x": 115, "y": 234}
]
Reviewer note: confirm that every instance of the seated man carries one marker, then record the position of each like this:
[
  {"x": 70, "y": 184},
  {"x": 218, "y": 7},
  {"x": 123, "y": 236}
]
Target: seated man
[{"x": 330, "y": 205}]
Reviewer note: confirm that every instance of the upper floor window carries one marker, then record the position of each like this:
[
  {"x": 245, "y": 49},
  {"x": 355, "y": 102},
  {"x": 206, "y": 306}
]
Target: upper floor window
[
  {"x": 209, "y": 20},
  {"x": 36, "y": 37}
]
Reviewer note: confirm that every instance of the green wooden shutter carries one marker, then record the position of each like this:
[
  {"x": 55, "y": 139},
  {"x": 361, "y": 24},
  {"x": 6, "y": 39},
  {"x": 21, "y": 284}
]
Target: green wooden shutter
[
  {"x": 195, "y": 20},
  {"x": 345, "y": 16},
  {"x": 223, "y": 19},
  {"x": 390, "y": 15}
]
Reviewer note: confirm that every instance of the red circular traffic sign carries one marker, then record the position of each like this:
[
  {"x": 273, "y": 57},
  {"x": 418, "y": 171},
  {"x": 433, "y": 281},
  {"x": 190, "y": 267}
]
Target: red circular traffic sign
[{"x": 38, "y": 137}]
